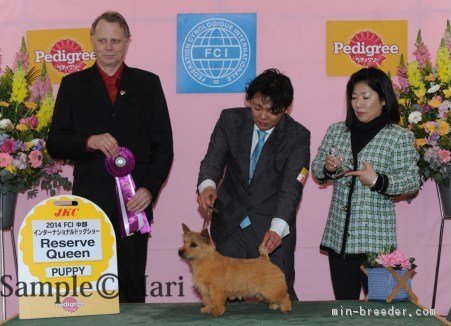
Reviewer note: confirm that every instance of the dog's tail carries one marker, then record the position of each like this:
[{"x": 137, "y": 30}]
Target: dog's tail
[{"x": 263, "y": 252}]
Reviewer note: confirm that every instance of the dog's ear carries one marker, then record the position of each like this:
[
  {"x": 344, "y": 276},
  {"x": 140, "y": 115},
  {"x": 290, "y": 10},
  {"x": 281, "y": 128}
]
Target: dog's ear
[
  {"x": 185, "y": 228},
  {"x": 205, "y": 235}
]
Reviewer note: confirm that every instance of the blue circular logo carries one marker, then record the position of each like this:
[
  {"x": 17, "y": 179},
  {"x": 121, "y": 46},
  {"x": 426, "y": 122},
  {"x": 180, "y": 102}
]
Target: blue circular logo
[{"x": 216, "y": 52}]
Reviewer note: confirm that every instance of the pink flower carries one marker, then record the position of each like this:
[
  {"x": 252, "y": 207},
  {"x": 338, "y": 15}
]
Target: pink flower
[
  {"x": 39, "y": 89},
  {"x": 5, "y": 160},
  {"x": 402, "y": 78},
  {"x": 35, "y": 158},
  {"x": 444, "y": 155},
  {"x": 7, "y": 146},
  {"x": 394, "y": 259},
  {"x": 421, "y": 53},
  {"x": 31, "y": 122}
]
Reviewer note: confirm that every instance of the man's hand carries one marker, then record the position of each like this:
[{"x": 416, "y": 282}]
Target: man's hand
[
  {"x": 105, "y": 143},
  {"x": 140, "y": 200},
  {"x": 271, "y": 241},
  {"x": 206, "y": 200}
]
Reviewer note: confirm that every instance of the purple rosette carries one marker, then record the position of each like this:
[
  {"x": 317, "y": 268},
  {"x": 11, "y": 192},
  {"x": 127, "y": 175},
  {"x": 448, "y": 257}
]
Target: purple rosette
[{"x": 120, "y": 168}]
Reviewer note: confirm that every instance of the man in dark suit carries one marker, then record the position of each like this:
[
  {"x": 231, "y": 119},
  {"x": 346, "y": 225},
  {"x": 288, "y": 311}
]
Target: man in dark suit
[
  {"x": 262, "y": 157},
  {"x": 103, "y": 107}
]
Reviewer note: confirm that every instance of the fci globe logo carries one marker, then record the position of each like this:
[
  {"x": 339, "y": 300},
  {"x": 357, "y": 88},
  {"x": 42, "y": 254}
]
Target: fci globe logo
[{"x": 216, "y": 52}]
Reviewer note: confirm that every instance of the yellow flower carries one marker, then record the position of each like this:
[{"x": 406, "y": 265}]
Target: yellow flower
[
  {"x": 31, "y": 105},
  {"x": 435, "y": 102},
  {"x": 443, "y": 127},
  {"x": 22, "y": 127},
  {"x": 447, "y": 92},
  {"x": 29, "y": 144},
  {"x": 414, "y": 75},
  {"x": 45, "y": 113},
  {"x": 4, "y": 104},
  {"x": 11, "y": 169},
  {"x": 444, "y": 64},
  {"x": 429, "y": 77},
  {"x": 429, "y": 127},
  {"x": 421, "y": 142},
  {"x": 19, "y": 87},
  {"x": 402, "y": 101},
  {"x": 420, "y": 94}
]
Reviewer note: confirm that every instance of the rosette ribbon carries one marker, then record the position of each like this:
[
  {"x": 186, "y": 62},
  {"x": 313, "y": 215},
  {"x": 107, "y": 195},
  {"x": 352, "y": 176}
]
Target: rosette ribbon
[{"x": 120, "y": 168}]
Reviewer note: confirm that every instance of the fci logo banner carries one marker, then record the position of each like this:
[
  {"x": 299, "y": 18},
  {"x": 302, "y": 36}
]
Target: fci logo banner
[
  {"x": 215, "y": 52},
  {"x": 63, "y": 50},
  {"x": 352, "y": 45}
]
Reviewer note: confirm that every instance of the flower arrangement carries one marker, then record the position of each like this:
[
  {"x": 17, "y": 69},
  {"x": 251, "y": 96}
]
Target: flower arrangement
[
  {"x": 424, "y": 95},
  {"x": 26, "y": 108},
  {"x": 390, "y": 257}
]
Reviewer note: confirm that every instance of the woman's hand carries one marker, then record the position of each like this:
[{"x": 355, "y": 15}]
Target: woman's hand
[
  {"x": 366, "y": 175},
  {"x": 331, "y": 163}
]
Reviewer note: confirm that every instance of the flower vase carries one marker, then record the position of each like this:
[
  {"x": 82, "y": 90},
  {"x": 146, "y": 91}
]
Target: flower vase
[
  {"x": 7, "y": 209},
  {"x": 381, "y": 284},
  {"x": 445, "y": 199}
]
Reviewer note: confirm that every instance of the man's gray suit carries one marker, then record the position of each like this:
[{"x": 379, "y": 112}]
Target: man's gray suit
[{"x": 274, "y": 191}]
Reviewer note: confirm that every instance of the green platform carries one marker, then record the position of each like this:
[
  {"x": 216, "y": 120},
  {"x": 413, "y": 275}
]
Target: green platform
[{"x": 250, "y": 313}]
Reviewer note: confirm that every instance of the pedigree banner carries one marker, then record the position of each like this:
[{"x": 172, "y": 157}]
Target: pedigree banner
[
  {"x": 352, "y": 45},
  {"x": 63, "y": 50},
  {"x": 67, "y": 260}
]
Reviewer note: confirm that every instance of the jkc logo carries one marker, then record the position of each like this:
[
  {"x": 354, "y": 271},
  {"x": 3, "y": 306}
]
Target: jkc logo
[
  {"x": 66, "y": 56},
  {"x": 66, "y": 212},
  {"x": 366, "y": 49}
]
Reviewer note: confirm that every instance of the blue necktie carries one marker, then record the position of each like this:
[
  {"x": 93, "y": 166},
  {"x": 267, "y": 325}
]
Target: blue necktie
[
  {"x": 256, "y": 153},
  {"x": 253, "y": 163}
]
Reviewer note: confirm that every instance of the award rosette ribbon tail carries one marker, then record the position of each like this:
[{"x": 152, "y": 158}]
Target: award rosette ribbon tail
[{"x": 120, "y": 168}]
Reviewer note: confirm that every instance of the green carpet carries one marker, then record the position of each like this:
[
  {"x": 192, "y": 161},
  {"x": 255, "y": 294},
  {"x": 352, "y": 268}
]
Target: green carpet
[{"x": 252, "y": 313}]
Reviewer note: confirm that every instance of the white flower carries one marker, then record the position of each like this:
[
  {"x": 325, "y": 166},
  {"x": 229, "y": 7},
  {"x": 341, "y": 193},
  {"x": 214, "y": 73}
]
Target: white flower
[
  {"x": 5, "y": 123},
  {"x": 21, "y": 161},
  {"x": 433, "y": 89},
  {"x": 415, "y": 117}
]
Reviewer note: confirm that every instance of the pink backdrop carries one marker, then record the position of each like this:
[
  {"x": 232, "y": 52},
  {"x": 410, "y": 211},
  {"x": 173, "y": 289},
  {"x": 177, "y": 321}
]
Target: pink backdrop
[{"x": 291, "y": 37}]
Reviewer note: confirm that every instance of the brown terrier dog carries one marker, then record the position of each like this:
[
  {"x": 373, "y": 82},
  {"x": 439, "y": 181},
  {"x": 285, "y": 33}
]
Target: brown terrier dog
[{"x": 218, "y": 277}]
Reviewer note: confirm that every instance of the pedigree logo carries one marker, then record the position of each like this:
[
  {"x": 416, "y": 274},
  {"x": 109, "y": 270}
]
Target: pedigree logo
[
  {"x": 64, "y": 51},
  {"x": 352, "y": 45}
]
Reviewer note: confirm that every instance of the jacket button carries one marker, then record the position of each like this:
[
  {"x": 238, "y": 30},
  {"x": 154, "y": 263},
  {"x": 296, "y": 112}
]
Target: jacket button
[{"x": 345, "y": 208}]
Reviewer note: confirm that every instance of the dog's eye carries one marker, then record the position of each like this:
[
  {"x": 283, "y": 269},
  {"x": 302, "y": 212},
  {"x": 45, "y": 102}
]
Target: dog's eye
[{"x": 193, "y": 245}]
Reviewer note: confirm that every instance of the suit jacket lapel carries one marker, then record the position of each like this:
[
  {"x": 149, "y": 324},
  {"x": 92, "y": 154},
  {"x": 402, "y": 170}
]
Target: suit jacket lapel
[
  {"x": 272, "y": 145},
  {"x": 97, "y": 88},
  {"x": 126, "y": 86},
  {"x": 244, "y": 140}
]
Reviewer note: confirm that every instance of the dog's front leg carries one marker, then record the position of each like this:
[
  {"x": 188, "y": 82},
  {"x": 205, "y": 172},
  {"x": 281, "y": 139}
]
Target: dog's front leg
[
  {"x": 218, "y": 299},
  {"x": 206, "y": 301}
]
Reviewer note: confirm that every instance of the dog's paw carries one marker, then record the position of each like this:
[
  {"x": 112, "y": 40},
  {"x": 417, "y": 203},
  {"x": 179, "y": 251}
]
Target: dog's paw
[
  {"x": 205, "y": 310},
  {"x": 273, "y": 306},
  {"x": 285, "y": 307},
  {"x": 218, "y": 311}
]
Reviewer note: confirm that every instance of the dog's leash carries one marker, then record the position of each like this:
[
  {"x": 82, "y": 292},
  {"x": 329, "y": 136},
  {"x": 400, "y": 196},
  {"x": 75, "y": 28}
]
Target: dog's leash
[
  {"x": 206, "y": 223},
  {"x": 214, "y": 210}
]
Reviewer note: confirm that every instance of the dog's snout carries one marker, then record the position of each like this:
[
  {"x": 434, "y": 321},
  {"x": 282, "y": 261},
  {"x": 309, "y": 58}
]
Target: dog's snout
[{"x": 181, "y": 253}]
